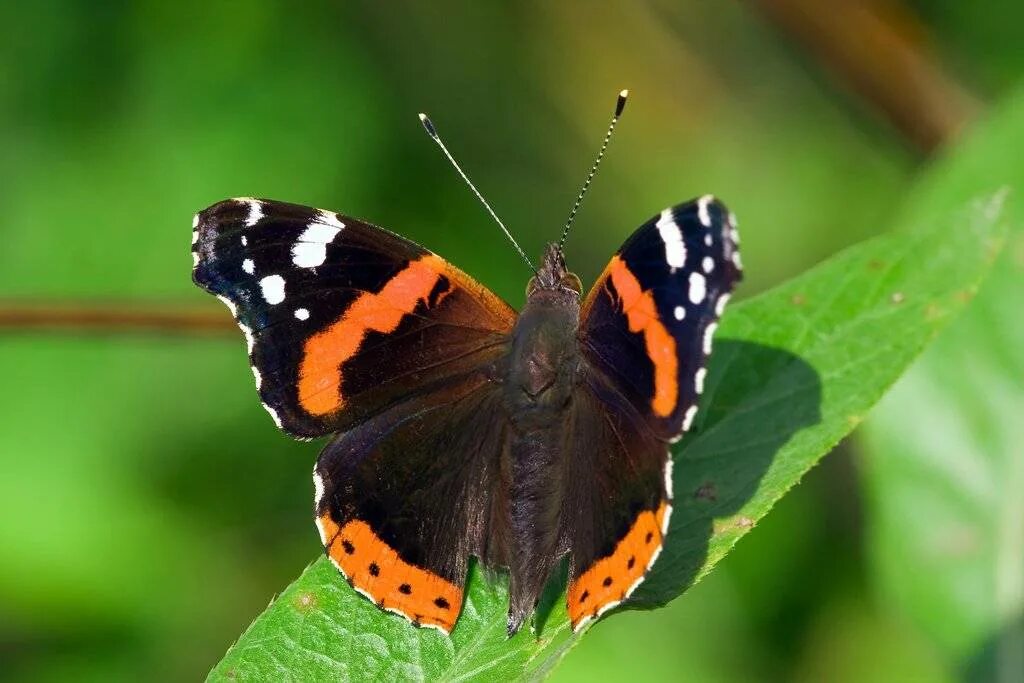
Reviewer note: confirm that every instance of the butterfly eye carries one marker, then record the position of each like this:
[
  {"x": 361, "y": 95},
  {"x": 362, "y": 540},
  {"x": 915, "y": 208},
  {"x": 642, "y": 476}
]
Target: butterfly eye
[{"x": 571, "y": 281}]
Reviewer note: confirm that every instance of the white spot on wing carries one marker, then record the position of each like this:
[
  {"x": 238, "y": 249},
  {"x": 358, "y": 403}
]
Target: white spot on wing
[
  {"x": 272, "y": 287},
  {"x": 257, "y": 376},
  {"x": 680, "y": 312},
  {"x": 698, "y": 380},
  {"x": 195, "y": 222},
  {"x": 195, "y": 260},
  {"x": 709, "y": 332},
  {"x": 675, "y": 250},
  {"x": 668, "y": 477},
  {"x": 318, "y": 489},
  {"x": 702, "y": 210},
  {"x": 698, "y": 287},
  {"x": 736, "y": 260},
  {"x": 273, "y": 415},
  {"x": 310, "y": 250},
  {"x": 301, "y": 314},
  {"x": 255, "y": 212},
  {"x": 720, "y": 304},
  {"x": 691, "y": 413},
  {"x": 250, "y": 341},
  {"x": 195, "y": 236},
  {"x": 330, "y": 218},
  {"x": 708, "y": 264},
  {"x": 708, "y": 240},
  {"x": 245, "y": 242},
  {"x": 249, "y": 266}
]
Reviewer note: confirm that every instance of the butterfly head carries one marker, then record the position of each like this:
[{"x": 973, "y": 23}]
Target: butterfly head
[{"x": 553, "y": 275}]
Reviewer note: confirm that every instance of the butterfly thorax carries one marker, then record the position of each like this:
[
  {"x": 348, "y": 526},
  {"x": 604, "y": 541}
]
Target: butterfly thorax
[{"x": 544, "y": 353}]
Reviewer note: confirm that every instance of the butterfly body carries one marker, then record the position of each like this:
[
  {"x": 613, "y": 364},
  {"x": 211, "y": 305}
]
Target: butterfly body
[{"x": 460, "y": 428}]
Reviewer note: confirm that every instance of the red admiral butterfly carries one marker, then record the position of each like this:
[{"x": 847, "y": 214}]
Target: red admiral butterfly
[{"x": 460, "y": 427}]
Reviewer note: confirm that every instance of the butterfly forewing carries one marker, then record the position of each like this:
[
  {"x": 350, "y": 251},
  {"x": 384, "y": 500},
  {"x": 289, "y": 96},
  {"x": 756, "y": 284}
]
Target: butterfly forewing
[{"x": 342, "y": 318}]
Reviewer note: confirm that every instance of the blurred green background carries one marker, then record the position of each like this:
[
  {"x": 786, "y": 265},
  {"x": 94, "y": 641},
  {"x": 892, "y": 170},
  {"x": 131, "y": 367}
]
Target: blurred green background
[{"x": 149, "y": 510}]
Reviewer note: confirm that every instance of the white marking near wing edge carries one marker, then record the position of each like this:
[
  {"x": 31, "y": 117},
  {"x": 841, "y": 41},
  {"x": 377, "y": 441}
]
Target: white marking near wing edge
[
  {"x": 255, "y": 211},
  {"x": 257, "y": 376},
  {"x": 698, "y": 287},
  {"x": 668, "y": 476},
  {"x": 195, "y": 222},
  {"x": 273, "y": 415},
  {"x": 318, "y": 490},
  {"x": 301, "y": 314},
  {"x": 230, "y": 304},
  {"x": 698, "y": 380},
  {"x": 708, "y": 264},
  {"x": 709, "y": 332},
  {"x": 272, "y": 287},
  {"x": 679, "y": 312},
  {"x": 675, "y": 250},
  {"x": 249, "y": 266},
  {"x": 702, "y": 210},
  {"x": 310, "y": 249},
  {"x": 691, "y": 413},
  {"x": 720, "y": 304}
]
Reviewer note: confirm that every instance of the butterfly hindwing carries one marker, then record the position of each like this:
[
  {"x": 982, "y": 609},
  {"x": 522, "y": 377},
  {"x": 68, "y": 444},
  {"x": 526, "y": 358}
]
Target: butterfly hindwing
[
  {"x": 618, "y": 499},
  {"x": 405, "y": 498},
  {"x": 342, "y": 318}
]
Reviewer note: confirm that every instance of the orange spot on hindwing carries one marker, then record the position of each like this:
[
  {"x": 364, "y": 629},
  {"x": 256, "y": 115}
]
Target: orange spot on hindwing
[
  {"x": 642, "y": 316},
  {"x": 325, "y": 353},
  {"x": 377, "y": 571},
  {"x": 611, "y": 579}
]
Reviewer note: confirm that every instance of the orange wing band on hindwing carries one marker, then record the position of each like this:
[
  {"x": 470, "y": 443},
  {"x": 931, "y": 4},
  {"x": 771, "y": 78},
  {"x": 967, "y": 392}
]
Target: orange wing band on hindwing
[
  {"x": 612, "y": 579},
  {"x": 375, "y": 570}
]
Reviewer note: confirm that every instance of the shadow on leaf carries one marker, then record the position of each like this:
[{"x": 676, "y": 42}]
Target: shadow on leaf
[{"x": 757, "y": 399}]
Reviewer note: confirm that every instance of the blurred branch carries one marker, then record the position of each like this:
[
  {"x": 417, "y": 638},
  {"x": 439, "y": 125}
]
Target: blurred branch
[
  {"x": 111, "y": 319},
  {"x": 876, "y": 48}
]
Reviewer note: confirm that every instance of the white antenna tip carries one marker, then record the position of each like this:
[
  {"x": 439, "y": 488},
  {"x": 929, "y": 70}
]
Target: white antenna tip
[
  {"x": 423, "y": 117},
  {"x": 624, "y": 93}
]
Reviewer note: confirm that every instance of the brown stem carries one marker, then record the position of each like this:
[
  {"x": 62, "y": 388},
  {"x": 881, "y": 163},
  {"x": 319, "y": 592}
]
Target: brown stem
[
  {"x": 111, "y": 319},
  {"x": 874, "y": 47}
]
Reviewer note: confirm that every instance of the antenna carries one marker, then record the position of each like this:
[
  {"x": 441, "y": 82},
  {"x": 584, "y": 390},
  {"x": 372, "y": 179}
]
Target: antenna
[
  {"x": 432, "y": 132},
  {"x": 620, "y": 104}
]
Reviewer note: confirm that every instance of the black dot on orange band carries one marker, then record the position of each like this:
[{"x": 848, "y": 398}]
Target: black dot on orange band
[
  {"x": 442, "y": 603},
  {"x": 649, "y": 537},
  {"x": 349, "y": 548},
  {"x": 607, "y": 581},
  {"x": 374, "y": 569},
  {"x": 586, "y": 594},
  {"x": 405, "y": 589},
  {"x": 632, "y": 561}
]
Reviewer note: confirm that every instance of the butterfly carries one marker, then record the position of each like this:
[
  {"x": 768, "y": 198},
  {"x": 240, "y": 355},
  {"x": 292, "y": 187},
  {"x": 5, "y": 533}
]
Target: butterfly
[{"x": 460, "y": 427}]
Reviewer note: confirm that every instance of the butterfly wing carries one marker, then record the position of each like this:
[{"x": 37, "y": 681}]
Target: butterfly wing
[
  {"x": 403, "y": 499},
  {"x": 353, "y": 329},
  {"x": 645, "y": 335},
  {"x": 343, "y": 319}
]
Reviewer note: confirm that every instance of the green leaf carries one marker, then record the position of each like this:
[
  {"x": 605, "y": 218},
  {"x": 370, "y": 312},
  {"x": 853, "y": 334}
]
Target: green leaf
[
  {"x": 795, "y": 370},
  {"x": 945, "y": 476}
]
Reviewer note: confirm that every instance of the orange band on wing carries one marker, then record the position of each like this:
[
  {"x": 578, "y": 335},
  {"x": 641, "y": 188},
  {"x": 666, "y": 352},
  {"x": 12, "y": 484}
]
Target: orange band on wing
[
  {"x": 326, "y": 352},
  {"x": 642, "y": 315},
  {"x": 610, "y": 580},
  {"x": 375, "y": 569}
]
